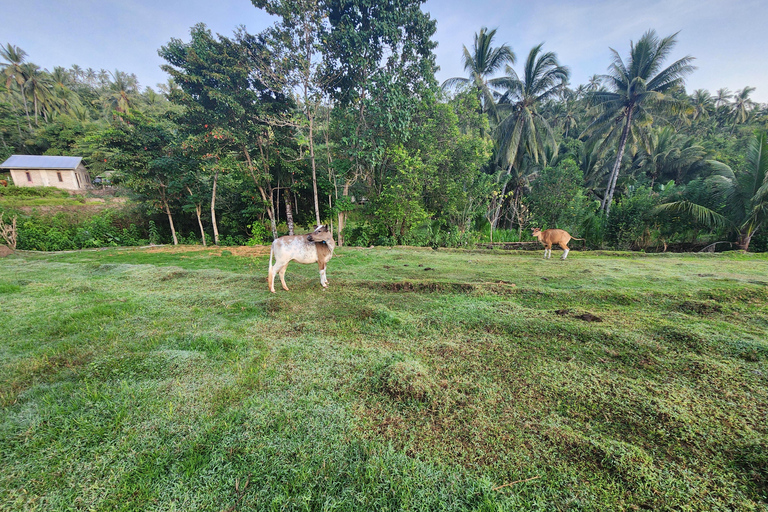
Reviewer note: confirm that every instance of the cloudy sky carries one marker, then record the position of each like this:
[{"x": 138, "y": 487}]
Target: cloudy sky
[{"x": 727, "y": 37}]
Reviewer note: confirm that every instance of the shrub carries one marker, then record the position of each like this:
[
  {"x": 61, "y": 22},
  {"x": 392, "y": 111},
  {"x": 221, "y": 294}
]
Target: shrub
[
  {"x": 259, "y": 234},
  {"x": 63, "y": 232}
]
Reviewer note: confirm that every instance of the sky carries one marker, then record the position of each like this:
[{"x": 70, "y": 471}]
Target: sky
[{"x": 726, "y": 37}]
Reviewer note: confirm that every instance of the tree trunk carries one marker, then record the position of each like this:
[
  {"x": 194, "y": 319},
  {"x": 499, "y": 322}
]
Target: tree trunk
[
  {"x": 26, "y": 107},
  {"x": 170, "y": 221},
  {"x": 314, "y": 168},
  {"x": 199, "y": 211},
  {"x": 744, "y": 239},
  {"x": 497, "y": 213},
  {"x": 606, "y": 206},
  {"x": 343, "y": 216},
  {"x": 213, "y": 210},
  {"x": 288, "y": 211}
]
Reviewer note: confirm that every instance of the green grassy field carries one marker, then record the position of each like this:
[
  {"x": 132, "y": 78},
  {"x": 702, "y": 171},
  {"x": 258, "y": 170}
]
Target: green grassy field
[{"x": 140, "y": 379}]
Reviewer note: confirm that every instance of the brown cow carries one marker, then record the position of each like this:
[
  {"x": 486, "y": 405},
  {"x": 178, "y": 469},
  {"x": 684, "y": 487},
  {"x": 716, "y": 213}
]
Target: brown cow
[
  {"x": 315, "y": 247},
  {"x": 553, "y": 236}
]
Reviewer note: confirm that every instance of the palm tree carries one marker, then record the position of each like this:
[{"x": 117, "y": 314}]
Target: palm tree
[
  {"x": 40, "y": 88},
  {"x": 524, "y": 134},
  {"x": 595, "y": 83},
  {"x": 524, "y": 131},
  {"x": 703, "y": 104},
  {"x": 481, "y": 63},
  {"x": 744, "y": 194},
  {"x": 636, "y": 86},
  {"x": 14, "y": 58},
  {"x": 723, "y": 97},
  {"x": 120, "y": 92},
  {"x": 742, "y": 105},
  {"x": 669, "y": 155}
]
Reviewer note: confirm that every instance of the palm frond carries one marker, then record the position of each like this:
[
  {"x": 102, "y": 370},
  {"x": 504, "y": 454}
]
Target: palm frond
[{"x": 701, "y": 214}]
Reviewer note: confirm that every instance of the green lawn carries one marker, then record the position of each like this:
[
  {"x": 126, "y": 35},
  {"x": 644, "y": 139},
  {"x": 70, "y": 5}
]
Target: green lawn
[{"x": 419, "y": 380}]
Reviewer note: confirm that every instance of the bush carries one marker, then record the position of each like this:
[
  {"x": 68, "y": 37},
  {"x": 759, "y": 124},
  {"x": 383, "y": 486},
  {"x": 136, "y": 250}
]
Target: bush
[
  {"x": 260, "y": 235},
  {"x": 630, "y": 224},
  {"x": 63, "y": 232}
]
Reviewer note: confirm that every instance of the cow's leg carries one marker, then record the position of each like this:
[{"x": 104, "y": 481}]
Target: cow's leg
[
  {"x": 282, "y": 277},
  {"x": 323, "y": 278},
  {"x": 565, "y": 249},
  {"x": 548, "y": 251}
]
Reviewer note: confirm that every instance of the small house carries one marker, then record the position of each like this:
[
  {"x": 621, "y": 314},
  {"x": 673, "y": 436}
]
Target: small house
[{"x": 67, "y": 172}]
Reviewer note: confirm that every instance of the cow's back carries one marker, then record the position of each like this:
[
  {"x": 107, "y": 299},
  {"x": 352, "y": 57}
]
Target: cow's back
[{"x": 294, "y": 248}]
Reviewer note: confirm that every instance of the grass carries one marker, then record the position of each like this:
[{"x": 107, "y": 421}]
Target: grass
[{"x": 420, "y": 380}]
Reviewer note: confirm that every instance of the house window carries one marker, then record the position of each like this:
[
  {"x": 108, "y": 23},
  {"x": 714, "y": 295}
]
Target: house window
[
  {"x": 29, "y": 177},
  {"x": 59, "y": 175}
]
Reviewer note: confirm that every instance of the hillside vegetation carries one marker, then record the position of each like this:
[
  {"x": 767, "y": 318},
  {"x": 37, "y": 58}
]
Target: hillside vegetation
[{"x": 170, "y": 379}]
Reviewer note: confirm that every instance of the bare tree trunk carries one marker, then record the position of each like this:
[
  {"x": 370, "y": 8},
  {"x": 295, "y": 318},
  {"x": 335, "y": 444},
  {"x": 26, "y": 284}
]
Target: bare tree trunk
[
  {"x": 314, "y": 168},
  {"x": 288, "y": 211},
  {"x": 606, "y": 205},
  {"x": 170, "y": 221},
  {"x": 198, "y": 211},
  {"x": 26, "y": 108},
  {"x": 213, "y": 210},
  {"x": 343, "y": 216}
]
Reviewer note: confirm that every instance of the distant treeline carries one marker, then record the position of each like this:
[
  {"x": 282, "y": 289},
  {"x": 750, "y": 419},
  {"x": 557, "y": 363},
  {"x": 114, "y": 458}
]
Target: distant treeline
[{"x": 335, "y": 116}]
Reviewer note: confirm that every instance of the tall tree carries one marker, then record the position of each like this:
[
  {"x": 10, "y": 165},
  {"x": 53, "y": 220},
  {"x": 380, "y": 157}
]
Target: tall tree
[
  {"x": 14, "y": 58},
  {"x": 635, "y": 87},
  {"x": 39, "y": 87},
  {"x": 524, "y": 130},
  {"x": 480, "y": 64},
  {"x": 227, "y": 106},
  {"x": 742, "y": 105},
  {"x": 377, "y": 63},
  {"x": 142, "y": 150},
  {"x": 703, "y": 104},
  {"x": 297, "y": 34}
]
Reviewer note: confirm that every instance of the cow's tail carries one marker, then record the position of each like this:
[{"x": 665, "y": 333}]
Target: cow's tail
[
  {"x": 584, "y": 239},
  {"x": 271, "y": 254}
]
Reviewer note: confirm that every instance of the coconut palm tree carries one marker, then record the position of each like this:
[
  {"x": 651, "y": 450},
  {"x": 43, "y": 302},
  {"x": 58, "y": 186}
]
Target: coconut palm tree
[
  {"x": 39, "y": 86},
  {"x": 14, "y": 58},
  {"x": 669, "y": 155},
  {"x": 121, "y": 92},
  {"x": 636, "y": 86},
  {"x": 595, "y": 83},
  {"x": 723, "y": 97},
  {"x": 744, "y": 194},
  {"x": 481, "y": 63},
  {"x": 742, "y": 105},
  {"x": 524, "y": 133},
  {"x": 523, "y": 130},
  {"x": 703, "y": 104}
]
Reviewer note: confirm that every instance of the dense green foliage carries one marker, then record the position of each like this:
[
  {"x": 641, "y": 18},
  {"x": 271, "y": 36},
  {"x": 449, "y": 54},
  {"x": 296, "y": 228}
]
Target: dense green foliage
[
  {"x": 419, "y": 380},
  {"x": 334, "y": 114}
]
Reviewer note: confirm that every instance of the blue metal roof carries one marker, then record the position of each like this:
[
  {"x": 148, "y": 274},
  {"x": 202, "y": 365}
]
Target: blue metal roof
[{"x": 41, "y": 162}]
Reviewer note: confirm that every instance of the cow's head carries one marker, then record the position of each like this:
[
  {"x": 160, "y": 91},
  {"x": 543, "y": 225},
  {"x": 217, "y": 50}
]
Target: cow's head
[
  {"x": 319, "y": 235},
  {"x": 535, "y": 232}
]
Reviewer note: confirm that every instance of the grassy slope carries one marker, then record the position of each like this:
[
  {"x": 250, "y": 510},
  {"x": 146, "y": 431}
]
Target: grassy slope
[{"x": 419, "y": 380}]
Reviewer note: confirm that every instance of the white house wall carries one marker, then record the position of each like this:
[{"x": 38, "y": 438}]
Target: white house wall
[{"x": 50, "y": 178}]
